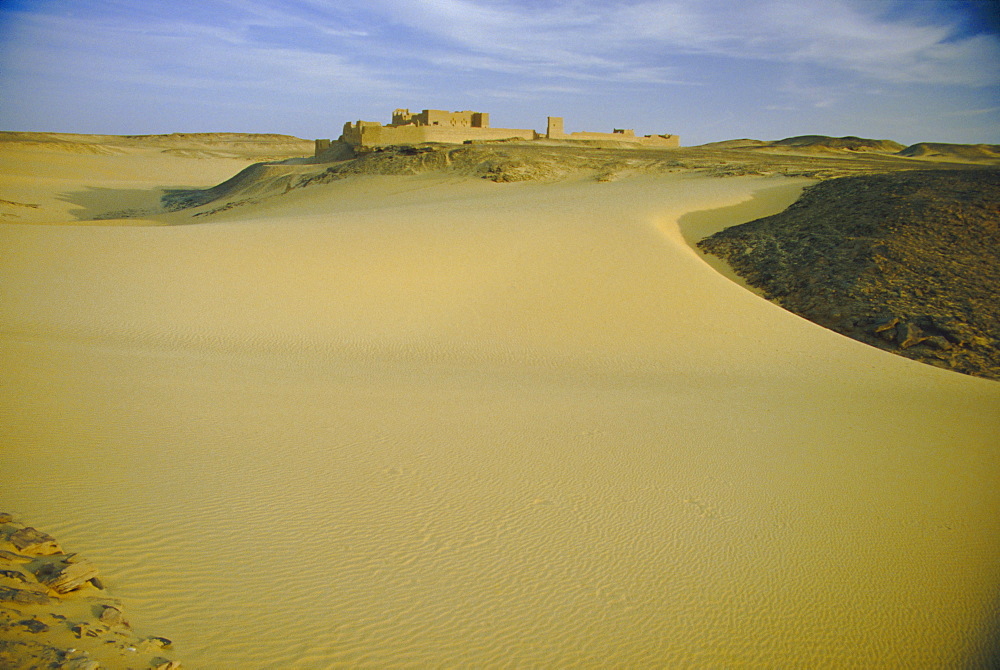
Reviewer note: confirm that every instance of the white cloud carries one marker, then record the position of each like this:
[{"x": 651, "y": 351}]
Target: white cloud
[{"x": 633, "y": 42}]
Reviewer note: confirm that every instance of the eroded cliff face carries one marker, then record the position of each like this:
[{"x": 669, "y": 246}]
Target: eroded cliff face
[{"x": 905, "y": 261}]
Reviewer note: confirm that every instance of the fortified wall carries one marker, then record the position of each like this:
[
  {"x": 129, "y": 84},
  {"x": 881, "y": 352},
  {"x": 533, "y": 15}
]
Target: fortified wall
[
  {"x": 430, "y": 125},
  {"x": 554, "y": 131},
  {"x": 436, "y": 125}
]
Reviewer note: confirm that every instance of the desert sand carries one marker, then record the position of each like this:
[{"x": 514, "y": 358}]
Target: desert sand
[{"x": 435, "y": 421}]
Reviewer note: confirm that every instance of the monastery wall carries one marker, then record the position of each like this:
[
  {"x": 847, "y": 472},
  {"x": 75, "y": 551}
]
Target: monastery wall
[
  {"x": 555, "y": 131},
  {"x": 440, "y": 117},
  {"x": 631, "y": 138},
  {"x": 364, "y": 133},
  {"x": 435, "y": 125}
]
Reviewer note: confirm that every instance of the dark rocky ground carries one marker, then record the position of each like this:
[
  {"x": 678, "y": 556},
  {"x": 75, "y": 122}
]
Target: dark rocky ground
[{"x": 905, "y": 261}]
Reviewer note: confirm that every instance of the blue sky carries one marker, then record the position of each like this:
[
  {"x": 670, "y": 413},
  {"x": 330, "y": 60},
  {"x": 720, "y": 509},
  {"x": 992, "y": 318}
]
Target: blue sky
[{"x": 908, "y": 70}]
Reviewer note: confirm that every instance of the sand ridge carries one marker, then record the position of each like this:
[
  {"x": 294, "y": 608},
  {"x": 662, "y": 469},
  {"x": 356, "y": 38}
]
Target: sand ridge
[
  {"x": 65, "y": 178},
  {"x": 467, "y": 423}
]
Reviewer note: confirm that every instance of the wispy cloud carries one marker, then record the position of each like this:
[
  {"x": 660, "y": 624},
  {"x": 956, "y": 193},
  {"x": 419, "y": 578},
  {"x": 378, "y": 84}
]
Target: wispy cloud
[
  {"x": 176, "y": 53},
  {"x": 589, "y": 39},
  {"x": 610, "y": 39}
]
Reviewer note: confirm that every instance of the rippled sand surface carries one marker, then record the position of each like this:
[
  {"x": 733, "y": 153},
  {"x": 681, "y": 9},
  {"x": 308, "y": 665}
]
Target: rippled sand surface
[{"x": 421, "y": 422}]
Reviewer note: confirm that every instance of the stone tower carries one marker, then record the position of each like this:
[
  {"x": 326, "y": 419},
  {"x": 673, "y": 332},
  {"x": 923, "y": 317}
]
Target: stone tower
[{"x": 554, "y": 127}]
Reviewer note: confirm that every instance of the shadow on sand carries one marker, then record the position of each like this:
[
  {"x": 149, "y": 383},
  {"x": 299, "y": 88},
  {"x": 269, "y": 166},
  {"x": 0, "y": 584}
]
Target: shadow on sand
[{"x": 96, "y": 203}]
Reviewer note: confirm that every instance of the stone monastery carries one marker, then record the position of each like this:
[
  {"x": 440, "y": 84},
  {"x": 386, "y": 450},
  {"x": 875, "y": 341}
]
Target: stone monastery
[{"x": 436, "y": 125}]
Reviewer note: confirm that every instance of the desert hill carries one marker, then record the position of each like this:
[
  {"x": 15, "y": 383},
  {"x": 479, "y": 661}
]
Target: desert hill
[
  {"x": 249, "y": 146},
  {"x": 965, "y": 152},
  {"x": 60, "y": 177},
  {"x": 524, "y": 161},
  {"x": 849, "y": 143},
  {"x": 743, "y": 143},
  {"x": 283, "y": 163},
  {"x": 905, "y": 261},
  {"x": 851, "y": 146}
]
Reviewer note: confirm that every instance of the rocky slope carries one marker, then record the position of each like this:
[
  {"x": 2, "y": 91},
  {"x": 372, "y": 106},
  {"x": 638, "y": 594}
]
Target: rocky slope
[
  {"x": 905, "y": 261},
  {"x": 55, "y": 613}
]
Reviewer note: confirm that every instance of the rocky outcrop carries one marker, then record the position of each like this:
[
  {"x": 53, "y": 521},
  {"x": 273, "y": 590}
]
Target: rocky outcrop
[
  {"x": 55, "y": 613},
  {"x": 33, "y": 542},
  {"x": 904, "y": 261}
]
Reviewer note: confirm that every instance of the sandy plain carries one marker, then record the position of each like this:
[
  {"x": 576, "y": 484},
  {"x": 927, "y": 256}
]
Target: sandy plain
[{"x": 434, "y": 421}]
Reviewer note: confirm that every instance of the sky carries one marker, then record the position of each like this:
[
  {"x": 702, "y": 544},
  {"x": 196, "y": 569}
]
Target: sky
[{"x": 707, "y": 70}]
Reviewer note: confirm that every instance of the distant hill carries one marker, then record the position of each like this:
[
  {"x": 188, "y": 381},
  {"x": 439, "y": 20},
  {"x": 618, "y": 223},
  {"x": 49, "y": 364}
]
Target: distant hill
[
  {"x": 964, "y": 152},
  {"x": 849, "y": 143},
  {"x": 735, "y": 144},
  {"x": 248, "y": 146}
]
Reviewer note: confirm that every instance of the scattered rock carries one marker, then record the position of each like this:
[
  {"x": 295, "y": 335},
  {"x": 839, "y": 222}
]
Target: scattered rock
[
  {"x": 909, "y": 336},
  {"x": 44, "y": 603},
  {"x": 79, "y": 663},
  {"x": 111, "y": 615},
  {"x": 33, "y": 625},
  {"x": 22, "y": 596},
  {"x": 939, "y": 341},
  {"x": 15, "y": 653},
  {"x": 154, "y": 643},
  {"x": 64, "y": 576},
  {"x": 887, "y": 330},
  {"x": 85, "y": 629},
  {"x": 34, "y": 542},
  {"x": 11, "y": 557}
]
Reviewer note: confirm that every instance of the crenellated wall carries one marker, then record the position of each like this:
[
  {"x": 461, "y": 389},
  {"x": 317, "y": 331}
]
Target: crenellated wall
[{"x": 440, "y": 117}]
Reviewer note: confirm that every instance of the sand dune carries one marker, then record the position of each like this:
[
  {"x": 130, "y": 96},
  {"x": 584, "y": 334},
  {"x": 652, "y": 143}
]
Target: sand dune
[
  {"x": 435, "y": 420},
  {"x": 62, "y": 178}
]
